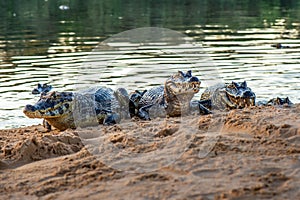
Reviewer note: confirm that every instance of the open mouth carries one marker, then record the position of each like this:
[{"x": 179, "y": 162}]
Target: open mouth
[
  {"x": 39, "y": 114},
  {"x": 191, "y": 87},
  {"x": 242, "y": 102},
  {"x": 187, "y": 87},
  {"x": 51, "y": 112},
  {"x": 195, "y": 86},
  {"x": 32, "y": 114}
]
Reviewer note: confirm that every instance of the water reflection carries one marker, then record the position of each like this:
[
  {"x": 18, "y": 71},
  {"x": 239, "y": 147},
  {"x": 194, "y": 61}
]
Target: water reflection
[{"x": 232, "y": 41}]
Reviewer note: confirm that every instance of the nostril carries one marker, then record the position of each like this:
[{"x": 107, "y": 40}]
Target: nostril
[
  {"x": 248, "y": 94},
  {"x": 30, "y": 108},
  {"x": 194, "y": 79}
]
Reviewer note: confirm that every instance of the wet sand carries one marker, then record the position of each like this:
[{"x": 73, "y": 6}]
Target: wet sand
[{"x": 253, "y": 153}]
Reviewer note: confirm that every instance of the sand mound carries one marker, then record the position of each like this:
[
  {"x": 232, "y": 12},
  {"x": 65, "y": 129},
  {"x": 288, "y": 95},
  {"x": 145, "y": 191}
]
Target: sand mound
[
  {"x": 249, "y": 154},
  {"x": 25, "y": 145}
]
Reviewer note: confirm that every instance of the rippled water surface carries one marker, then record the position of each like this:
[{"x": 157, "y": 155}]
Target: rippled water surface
[{"x": 71, "y": 52}]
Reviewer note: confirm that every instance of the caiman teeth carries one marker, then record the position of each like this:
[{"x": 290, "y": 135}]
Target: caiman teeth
[{"x": 248, "y": 103}]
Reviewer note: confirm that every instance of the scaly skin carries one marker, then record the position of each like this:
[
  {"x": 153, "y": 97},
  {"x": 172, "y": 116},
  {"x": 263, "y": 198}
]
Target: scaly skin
[
  {"x": 276, "y": 102},
  {"x": 172, "y": 99},
  {"x": 228, "y": 96},
  {"x": 134, "y": 99},
  {"x": 85, "y": 108}
]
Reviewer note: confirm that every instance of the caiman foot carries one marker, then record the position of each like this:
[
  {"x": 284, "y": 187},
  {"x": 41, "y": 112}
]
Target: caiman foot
[
  {"x": 202, "y": 105},
  {"x": 203, "y": 110},
  {"x": 134, "y": 102},
  {"x": 112, "y": 119},
  {"x": 143, "y": 112},
  {"x": 47, "y": 126}
]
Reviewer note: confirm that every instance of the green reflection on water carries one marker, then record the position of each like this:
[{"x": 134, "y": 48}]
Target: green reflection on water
[
  {"x": 111, "y": 16},
  {"x": 35, "y": 25}
]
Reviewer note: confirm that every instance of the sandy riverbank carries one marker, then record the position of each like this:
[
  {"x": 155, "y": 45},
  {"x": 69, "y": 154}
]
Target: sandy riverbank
[{"x": 252, "y": 153}]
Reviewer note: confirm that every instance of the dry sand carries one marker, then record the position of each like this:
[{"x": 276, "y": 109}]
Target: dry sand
[{"x": 254, "y": 154}]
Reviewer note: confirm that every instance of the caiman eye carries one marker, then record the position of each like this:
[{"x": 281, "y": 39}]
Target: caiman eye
[
  {"x": 231, "y": 86},
  {"x": 235, "y": 85},
  {"x": 189, "y": 73},
  {"x": 181, "y": 73},
  {"x": 244, "y": 84},
  {"x": 53, "y": 95}
]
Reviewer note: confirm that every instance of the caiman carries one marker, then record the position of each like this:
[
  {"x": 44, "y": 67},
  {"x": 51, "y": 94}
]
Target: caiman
[
  {"x": 172, "y": 99},
  {"x": 80, "y": 109}
]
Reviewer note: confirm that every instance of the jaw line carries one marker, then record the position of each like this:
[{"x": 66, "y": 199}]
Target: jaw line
[
  {"x": 188, "y": 88},
  {"x": 38, "y": 114},
  {"x": 242, "y": 102}
]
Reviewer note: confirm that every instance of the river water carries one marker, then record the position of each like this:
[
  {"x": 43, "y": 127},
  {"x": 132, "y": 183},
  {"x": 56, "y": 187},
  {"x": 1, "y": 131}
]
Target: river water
[{"x": 74, "y": 44}]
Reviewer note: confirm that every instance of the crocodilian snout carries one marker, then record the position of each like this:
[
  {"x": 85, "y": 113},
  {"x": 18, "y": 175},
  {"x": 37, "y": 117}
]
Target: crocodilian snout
[
  {"x": 31, "y": 111},
  {"x": 194, "y": 79},
  {"x": 245, "y": 98},
  {"x": 30, "y": 108},
  {"x": 248, "y": 94},
  {"x": 194, "y": 83}
]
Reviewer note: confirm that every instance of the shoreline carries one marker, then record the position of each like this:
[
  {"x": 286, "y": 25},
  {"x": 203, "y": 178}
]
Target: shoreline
[{"x": 256, "y": 154}]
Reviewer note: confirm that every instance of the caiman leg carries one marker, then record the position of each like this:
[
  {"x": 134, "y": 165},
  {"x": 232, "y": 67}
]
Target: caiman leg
[
  {"x": 227, "y": 101},
  {"x": 206, "y": 103},
  {"x": 202, "y": 105},
  {"x": 111, "y": 119},
  {"x": 134, "y": 101},
  {"x": 143, "y": 112},
  {"x": 46, "y": 125}
]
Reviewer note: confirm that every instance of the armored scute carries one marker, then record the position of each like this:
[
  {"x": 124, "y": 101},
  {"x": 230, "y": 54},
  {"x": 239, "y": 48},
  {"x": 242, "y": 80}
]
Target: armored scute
[
  {"x": 278, "y": 101},
  {"x": 102, "y": 105},
  {"x": 79, "y": 109},
  {"x": 172, "y": 99},
  {"x": 228, "y": 96}
]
